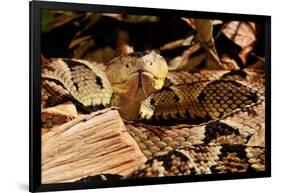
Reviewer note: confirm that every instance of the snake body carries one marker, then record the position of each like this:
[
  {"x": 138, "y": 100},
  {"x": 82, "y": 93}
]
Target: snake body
[{"x": 212, "y": 117}]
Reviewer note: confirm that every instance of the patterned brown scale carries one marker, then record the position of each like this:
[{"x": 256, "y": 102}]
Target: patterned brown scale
[
  {"x": 183, "y": 91},
  {"x": 173, "y": 164},
  {"x": 235, "y": 128},
  {"x": 200, "y": 101},
  {"x": 53, "y": 93},
  {"x": 184, "y": 77},
  {"x": 224, "y": 96},
  {"x": 206, "y": 159},
  {"x": 224, "y": 111},
  {"x": 84, "y": 81}
]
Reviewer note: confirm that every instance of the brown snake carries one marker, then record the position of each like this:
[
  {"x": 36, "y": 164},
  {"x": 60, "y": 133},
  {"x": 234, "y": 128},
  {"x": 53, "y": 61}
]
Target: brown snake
[{"x": 185, "y": 123}]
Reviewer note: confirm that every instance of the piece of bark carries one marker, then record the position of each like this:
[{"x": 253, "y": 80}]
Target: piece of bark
[{"x": 89, "y": 145}]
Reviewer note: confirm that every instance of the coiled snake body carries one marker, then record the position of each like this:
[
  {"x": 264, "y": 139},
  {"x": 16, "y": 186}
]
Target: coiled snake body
[{"x": 209, "y": 121}]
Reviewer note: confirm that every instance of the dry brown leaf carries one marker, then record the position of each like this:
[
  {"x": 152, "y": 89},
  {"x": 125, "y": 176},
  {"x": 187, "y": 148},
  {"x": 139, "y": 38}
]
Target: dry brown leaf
[
  {"x": 77, "y": 41},
  {"x": 242, "y": 34},
  {"x": 194, "y": 61},
  {"x": 91, "y": 19},
  {"x": 229, "y": 63},
  {"x": 204, "y": 28},
  {"x": 61, "y": 20},
  {"x": 190, "y": 21},
  {"x": 217, "y": 22},
  {"x": 132, "y": 18},
  {"x": 178, "y": 43},
  {"x": 172, "y": 45},
  {"x": 140, "y": 18},
  {"x": 244, "y": 53},
  {"x": 184, "y": 61},
  {"x": 116, "y": 16}
]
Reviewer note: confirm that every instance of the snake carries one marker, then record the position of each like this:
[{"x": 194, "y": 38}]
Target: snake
[{"x": 185, "y": 122}]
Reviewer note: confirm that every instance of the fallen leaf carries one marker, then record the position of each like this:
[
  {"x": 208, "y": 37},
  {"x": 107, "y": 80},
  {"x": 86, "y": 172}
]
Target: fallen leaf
[
  {"x": 77, "y": 41},
  {"x": 242, "y": 34},
  {"x": 140, "y": 18},
  {"x": 185, "y": 61},
  {"x": 61, "y": 18},
  {"x": 189, "y": 41},
  {"x": 204, "y": 28},
  {"x": 229, "y": 63}
]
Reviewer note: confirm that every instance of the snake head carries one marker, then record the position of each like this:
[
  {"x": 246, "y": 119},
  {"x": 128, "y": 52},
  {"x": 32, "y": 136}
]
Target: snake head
[{"x": 137, "y": 75}]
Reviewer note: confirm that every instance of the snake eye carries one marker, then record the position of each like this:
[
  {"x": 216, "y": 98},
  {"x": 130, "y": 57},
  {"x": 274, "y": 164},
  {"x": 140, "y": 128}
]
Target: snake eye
[{"x": 127, "y": 65}]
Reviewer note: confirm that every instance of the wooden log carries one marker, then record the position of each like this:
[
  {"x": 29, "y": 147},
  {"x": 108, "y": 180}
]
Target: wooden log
[{"x": 89, "y": 145}]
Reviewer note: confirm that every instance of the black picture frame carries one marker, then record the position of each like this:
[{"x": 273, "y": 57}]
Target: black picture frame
[{"x": 35, "y": 184}]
